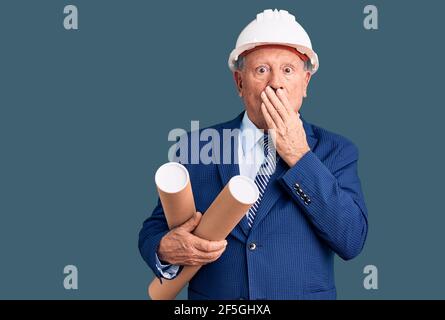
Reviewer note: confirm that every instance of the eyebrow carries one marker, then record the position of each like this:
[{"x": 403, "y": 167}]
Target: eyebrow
[{"x": 292, "y": 63}]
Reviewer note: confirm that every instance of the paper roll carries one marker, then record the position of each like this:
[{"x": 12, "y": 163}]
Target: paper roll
[
  {"x": 221, "y": 217},
  {"x": 175, "y": 191}
]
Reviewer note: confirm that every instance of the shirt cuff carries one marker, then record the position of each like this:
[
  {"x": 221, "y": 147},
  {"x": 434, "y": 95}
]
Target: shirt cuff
[{"x": 168, "y": 271}]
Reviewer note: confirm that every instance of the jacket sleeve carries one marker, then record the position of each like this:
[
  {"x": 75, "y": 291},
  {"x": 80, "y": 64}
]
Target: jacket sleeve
[
  {"x": 153, "y": 229},
  {"x": 331, "y": 199}
]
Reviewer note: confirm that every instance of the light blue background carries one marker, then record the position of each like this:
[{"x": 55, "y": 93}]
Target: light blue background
[{"x": 84, "y": 118}]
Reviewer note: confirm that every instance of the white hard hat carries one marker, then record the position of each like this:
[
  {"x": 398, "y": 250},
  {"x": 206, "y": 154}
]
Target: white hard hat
[{"x": 277, "y": 27}]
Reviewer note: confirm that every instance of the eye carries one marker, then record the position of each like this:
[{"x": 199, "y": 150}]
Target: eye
[
  {"x": 288, "y": 70},
  {"x": 261, "y": 69}
]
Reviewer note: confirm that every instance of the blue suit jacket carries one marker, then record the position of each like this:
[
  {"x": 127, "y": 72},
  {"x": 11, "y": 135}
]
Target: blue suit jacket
[{"x": 289, "y": 251}]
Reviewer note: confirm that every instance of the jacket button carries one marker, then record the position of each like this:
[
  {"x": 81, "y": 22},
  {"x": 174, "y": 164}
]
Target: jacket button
[
  {"x": 252, "y": 246},
  {"x": 297, "y": 186}
]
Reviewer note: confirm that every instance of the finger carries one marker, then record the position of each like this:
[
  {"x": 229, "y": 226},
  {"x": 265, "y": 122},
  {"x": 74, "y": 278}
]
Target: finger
[
  {"x": 191, "y": 223},
  {"x": 215, "y": 256},
  {"x": 267, "y": 117},
  {"x": 276, "y": 102},
  {"x": 284, "y": 100},
  {"x": 197, "y": 262},
  {"x": 208, "y": 246},
  {"x": 272, "y": 111},
  {"x": 198, "y": 257},
  {"x": 273, "y": 138},
  {"x": 209, "y": 257}
]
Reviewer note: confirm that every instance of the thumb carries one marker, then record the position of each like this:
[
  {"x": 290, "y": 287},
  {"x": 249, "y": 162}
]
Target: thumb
[{"x": 191, "y": 223}]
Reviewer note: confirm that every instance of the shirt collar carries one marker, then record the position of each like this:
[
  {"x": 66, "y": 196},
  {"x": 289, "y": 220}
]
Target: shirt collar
[{"x": 250, "y": 134}]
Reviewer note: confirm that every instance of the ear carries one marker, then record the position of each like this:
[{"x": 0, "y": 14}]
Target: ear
[
  {"x": 307, "y": 78},
  {"x": 238, "y": 82}
]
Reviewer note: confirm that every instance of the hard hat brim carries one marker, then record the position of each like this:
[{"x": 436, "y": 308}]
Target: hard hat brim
[{"x": 235, "y": 54}]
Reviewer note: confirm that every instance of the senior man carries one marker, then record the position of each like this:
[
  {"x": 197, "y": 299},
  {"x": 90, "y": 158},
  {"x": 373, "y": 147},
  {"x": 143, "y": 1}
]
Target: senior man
[{"x": 311, "y": 206}]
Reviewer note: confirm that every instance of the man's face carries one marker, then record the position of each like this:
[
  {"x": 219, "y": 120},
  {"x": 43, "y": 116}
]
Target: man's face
[{"x": 276, "y": 67}]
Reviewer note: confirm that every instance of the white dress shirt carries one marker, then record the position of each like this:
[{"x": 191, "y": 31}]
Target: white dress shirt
[{"x": 250, "y": 150}]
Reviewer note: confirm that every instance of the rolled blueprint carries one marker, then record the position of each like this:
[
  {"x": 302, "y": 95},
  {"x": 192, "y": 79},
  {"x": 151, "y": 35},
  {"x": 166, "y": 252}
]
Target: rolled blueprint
[
  {"x": 221, "y": 217},
  {"x": 175, "y": 191}
]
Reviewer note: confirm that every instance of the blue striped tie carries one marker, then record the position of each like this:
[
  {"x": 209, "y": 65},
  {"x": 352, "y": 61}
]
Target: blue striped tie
[{"x": 266, "y": 170}]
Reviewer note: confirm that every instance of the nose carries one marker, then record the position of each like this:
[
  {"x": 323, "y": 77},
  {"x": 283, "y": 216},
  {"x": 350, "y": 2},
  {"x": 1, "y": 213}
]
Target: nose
[{"x": 275, "y": 81}]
